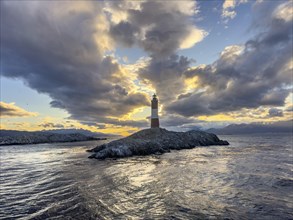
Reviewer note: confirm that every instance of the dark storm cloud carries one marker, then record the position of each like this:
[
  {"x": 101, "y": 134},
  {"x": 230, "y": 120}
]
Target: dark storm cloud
[
  {"x": 275, "y": 112},
  {"x": 182, "y": 96},
  {"x": 161, "y": 30},
  {"x": 256, "y": 75},
  {"x": 166, "y": 76},
  {"x": 58, "y": 49},
  {"x": 157, "y": 27},
  {"x": 124, "y": 32}
]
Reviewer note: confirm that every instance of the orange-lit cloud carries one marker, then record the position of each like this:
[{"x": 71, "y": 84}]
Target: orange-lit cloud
[{"x": 10, "y": 110}]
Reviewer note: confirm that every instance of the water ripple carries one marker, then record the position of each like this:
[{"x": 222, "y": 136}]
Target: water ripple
[{"x": 250, "y": 179}]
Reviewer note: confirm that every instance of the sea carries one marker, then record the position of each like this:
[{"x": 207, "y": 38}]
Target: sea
[{"x": 249, "y": 179}]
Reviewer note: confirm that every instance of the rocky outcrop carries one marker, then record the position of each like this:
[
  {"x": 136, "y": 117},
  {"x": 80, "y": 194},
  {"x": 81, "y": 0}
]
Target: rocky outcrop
[
  {"x": 153, "y": 141},
  {"x": 16, "y": 138}
]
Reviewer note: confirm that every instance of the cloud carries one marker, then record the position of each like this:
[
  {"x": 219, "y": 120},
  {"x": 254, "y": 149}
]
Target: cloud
[
  {"x": 248, "y": 76},
  {"x": 59, "y": 48},
  {"x": 289, "y": 108},
  {"x": 129, "y": 123},
  {"x": 275, "y": 112},
  {"x": 166, "y": 76},
  {"x": 62, "y": 49},
  {"x": 161, "y": 30},
  {"x": 9, "y": 110},
  {"x": 51, "y": 125},
  {"x": 176, "y": 120},
  {"x": 284, "y": 12},
  {"x": 228, "y": 9},
  {"x": 158, "y": 28}
]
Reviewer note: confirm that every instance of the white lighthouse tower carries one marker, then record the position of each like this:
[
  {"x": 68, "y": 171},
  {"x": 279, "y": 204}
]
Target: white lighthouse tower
[{"x": 155, "y": 117}]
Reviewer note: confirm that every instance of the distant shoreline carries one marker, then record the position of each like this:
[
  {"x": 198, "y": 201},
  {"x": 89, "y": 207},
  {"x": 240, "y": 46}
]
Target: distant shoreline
[
  {"x": 256, "y": 133},
  {"x": 23, "y": 138},
  {"x": 94, "y": 139}
]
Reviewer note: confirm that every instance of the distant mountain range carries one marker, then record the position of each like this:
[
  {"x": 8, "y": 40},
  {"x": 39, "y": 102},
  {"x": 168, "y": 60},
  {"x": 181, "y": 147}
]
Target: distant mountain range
[
  {"x": 8, "y": 137},
  {"x": 274, "y": 127},
  {"x": 80, "y": 131}
]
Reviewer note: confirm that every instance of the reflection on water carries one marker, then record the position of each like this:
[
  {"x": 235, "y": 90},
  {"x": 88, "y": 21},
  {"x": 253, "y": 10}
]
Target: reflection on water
[{"x": 250, "y": 179}]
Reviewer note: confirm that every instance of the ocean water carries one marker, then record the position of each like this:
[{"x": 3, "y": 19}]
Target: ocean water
[{"x": 249, "y": 179}]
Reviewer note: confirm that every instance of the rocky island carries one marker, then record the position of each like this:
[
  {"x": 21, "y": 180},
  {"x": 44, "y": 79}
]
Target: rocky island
[
  {"x": 154, "y": 141},
  {"x": 10, "y": 137}
]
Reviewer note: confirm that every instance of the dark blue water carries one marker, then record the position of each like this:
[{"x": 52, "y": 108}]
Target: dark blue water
[{"x": 250, "y": 179}]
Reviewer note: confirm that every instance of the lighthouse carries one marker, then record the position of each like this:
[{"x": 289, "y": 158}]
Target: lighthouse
[{"x": 154, "y": 116}]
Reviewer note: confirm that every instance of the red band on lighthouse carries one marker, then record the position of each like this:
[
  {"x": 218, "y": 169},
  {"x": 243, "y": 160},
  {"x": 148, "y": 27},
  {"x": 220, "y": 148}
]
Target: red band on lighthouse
[{"x": 154, "y": 116}]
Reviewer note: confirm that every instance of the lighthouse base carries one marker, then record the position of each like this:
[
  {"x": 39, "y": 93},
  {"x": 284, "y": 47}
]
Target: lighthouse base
[{"x": 155, "y": 123}]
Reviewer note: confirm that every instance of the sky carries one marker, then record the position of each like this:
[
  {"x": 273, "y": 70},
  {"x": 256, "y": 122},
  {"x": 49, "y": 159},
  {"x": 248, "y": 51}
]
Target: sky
[{"x": 95, "y": 64}]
